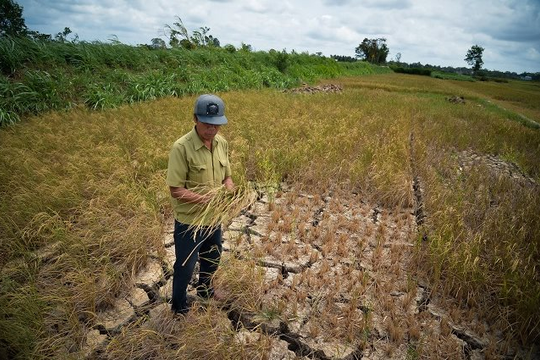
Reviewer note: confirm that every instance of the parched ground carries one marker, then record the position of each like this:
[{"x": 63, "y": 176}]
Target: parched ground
[{"x": 336, "y": 283}]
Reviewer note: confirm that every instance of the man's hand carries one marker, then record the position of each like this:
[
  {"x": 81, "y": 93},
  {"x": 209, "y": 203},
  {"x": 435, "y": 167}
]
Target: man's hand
[{"x": 228, "y": 183}]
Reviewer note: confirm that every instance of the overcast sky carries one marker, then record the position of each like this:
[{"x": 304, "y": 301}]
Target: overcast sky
[{"x": 437, "y": 32}]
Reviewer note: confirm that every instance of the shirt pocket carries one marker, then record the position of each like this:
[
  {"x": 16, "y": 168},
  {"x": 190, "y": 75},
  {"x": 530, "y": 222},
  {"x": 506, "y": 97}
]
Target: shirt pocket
[
  {"x": 197, "y": 175},
  {"x": 223, "y": 164}
]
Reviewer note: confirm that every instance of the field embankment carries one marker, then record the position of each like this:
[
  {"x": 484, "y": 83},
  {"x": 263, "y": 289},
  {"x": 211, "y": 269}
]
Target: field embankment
[
  {"x": 84, "y": 204},
  {"x": 41, "y": 76}
]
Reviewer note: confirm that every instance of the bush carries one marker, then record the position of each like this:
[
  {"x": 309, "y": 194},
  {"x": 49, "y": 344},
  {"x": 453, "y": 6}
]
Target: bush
[
  {"x": 412, "y": 71},
  {"x": 229, "y": 48},
  {"x": 281, "y": 61},
  {"x": 451, "y": 76}
]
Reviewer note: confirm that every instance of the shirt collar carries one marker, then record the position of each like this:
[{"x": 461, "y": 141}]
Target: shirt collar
[{"x": 198, "y": 142}]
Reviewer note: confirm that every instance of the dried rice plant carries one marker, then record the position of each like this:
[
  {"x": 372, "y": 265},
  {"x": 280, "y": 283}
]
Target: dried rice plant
[{"x": 223, "y": 206}]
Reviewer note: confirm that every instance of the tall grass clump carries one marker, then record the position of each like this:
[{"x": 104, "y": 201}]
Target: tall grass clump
[
  {"x": 484, "y": 244},
  {"x": 80, "y": 216}
]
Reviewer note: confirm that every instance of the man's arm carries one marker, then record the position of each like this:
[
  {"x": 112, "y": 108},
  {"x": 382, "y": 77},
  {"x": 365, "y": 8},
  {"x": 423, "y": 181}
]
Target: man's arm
[{"x": 188, "y": 196}]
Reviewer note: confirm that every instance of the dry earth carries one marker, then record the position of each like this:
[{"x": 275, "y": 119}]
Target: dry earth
[
  {"x": 306, "y": 89},
  {"x": 337, "y": 283}
]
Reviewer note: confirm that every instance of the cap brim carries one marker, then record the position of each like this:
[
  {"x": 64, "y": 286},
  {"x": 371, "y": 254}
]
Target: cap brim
[{"x": 212, "y": 120}]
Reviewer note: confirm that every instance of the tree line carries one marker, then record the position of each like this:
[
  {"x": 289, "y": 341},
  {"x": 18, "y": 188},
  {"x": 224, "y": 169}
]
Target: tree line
[{"x": 376, "y": 52}]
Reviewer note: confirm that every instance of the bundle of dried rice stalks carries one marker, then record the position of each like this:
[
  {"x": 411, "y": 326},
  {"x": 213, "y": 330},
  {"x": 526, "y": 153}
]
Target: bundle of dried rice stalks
[{"x": 224, "y": 206}]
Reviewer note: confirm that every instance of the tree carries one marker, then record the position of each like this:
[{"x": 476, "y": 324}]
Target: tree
[
  {"x": 158, "y": 43},
  {"x": 474, "y": 58},
  {"x": 202, "y": 38},
  {"x": 398, "y": 57},
  {"x": 179, "y": 36},
  {"x": 343, "y": 58},
  {"x": 62, "y": 36},
  {"x": 246, "y": 47},
  {"x": 11, "y": 20},
  {"x": 36, "y": 35},
  {"x": 230, "y": 48},
  {"x": 374, "y": 51}
]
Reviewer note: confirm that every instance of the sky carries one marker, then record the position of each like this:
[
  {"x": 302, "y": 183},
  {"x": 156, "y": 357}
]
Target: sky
[{"x": 436, "y": 32}]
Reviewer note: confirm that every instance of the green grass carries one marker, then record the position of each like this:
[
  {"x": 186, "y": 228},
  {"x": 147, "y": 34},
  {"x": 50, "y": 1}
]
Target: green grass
[
  {"x": 42, "y": 76},
  {"x": 90, "y": 187},
  {"x": 451, "y": 76}
]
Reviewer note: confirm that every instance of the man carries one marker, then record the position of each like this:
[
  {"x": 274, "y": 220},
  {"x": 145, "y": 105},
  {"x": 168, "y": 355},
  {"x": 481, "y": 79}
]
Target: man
[{"x": 197, "y": 161}]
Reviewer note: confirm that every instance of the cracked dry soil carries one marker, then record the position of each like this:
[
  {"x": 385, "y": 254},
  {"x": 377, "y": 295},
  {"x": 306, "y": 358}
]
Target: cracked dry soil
[
  {"x": 336, "y": 279},
  {"x": 338, "y": 282}
]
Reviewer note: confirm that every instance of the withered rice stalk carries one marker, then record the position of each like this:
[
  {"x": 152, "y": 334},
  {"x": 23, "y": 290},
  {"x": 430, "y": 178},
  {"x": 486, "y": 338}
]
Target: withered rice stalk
[{"x": 224, "y": 206}]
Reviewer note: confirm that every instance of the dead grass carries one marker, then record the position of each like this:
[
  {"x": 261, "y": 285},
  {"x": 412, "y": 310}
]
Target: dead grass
[
  {"x": 91, "y": 187},
  {"x": 205, "y": 333}
]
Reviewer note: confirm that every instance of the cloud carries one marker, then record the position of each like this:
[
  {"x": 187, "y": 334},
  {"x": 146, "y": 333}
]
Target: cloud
[
  {"x": 524, "y": 27},
  {"x": 341, "y": 34},
  {"x": 329, "y": 28},
  {"x": 421, "y": 30},
  {"x": 336, "y": 2},
  {"x": 510, "y": 33},
  {"x": 381, "y": 4},
  {"x": 532, "y": 54},
  {"x": 257, "y": 6},
  {"x": 266, "y": 6}
]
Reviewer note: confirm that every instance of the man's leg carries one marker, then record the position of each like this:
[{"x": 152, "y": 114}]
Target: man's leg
[
  {"x": 209, "y": 256},
  {"x": 184, "y": 246}
]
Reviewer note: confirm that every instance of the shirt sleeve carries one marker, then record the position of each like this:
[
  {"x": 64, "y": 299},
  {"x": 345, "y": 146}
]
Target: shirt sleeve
[
  {"x": 177, "y": 169},
  {"x": 228, "y": 171}
]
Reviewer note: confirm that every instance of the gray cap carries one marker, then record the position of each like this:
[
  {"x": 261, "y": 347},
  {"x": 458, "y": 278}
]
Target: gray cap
[{"x": 210, "y": 109}]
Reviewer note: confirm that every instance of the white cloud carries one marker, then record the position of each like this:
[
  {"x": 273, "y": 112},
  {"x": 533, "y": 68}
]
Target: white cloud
[
  {"x": 257, "y": 6},
  {"x": 267, "y": 6},
  {"x": 532, "y": 54},
  {"x": 422, "y": 30},
  {"x": 383, "y": 4}
]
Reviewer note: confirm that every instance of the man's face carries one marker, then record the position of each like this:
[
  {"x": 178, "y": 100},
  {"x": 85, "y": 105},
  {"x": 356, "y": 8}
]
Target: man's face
[{"x": 206, "y": 131}]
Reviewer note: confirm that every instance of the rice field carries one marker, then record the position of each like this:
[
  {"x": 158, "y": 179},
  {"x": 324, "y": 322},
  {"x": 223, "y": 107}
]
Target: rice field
[{"x": 390, "y": 223}]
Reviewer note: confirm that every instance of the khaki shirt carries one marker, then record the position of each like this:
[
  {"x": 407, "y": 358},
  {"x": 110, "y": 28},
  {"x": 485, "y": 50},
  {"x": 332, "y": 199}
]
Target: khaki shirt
[{"x": 192, "y": 165}]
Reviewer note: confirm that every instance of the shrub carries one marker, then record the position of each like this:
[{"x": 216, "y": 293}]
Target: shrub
[
  {"x": 412, "y": 71},
  {"x": 282, "y": 61}
]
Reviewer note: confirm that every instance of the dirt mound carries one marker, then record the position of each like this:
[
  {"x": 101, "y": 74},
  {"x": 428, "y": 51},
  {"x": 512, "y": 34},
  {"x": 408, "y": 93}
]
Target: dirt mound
[
  {"x": 306, "y": 89},
  {"x": 456, "y": 99},
  {"x": 499, "y": 167}
]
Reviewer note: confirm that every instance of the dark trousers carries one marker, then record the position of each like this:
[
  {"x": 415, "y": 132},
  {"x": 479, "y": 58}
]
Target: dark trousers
[{"x": 205, "y": 246}]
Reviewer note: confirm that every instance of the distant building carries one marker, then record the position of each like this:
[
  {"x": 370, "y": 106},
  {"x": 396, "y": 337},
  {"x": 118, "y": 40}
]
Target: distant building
[{"x": 526, "y": 78}]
